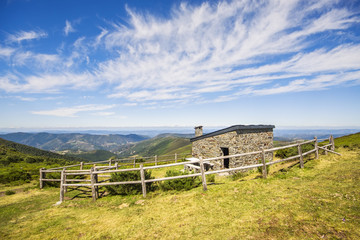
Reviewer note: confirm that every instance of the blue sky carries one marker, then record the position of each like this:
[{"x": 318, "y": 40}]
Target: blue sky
[{"x": 179, "y": 63}]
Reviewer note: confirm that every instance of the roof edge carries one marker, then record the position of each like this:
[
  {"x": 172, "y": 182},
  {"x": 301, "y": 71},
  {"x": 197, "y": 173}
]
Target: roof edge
[{"x": 231, "y": 129}]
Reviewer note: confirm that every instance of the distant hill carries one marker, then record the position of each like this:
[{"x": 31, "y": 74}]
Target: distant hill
[
  {"x": 351, "y": 141},
  {"x": 160, "y": 145},
  {"x": 73, "y": 141},
  {"x": 307, "y": 134},
  {"x": 24, "y": 149},
  {"x": 20, "y": 163},
  {"x": 94, "y": 156},
  {"x": 180, "y": 135}
]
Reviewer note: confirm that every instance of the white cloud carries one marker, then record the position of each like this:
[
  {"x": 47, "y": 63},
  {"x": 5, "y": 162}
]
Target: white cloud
[
  {"x": 342, "y": 58},
  {"x": 104, "y": 113},
  {"x": 130, "y": 104},
  {"x": 211, "y": 52},
  {"x": 47, "y": 83},
  {"x": 72, "y": 111},
  {"x": 26, "y": 99},
  {"x": 215, "y": 48},
  {"x": 6, "y": 51},
  {"x": 317, "y": 83},
  {"x": 99, "y": 38},
  {"x": 30, "y": 35},
  {"x": 68, "y": 28}
]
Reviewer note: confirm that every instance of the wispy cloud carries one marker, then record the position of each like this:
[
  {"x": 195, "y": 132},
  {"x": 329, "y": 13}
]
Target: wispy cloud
[
  {"x": 68, "y": 28},
  {"x": 26, "y": 99},
  {"x": 72, "y": 111},
  {"x": 99, "y": 38},
  {"x": 130, "y": 104},
  {"x": 104, "y": 113},
  {"x": 6, "y": 51},
  {"x": 23, "y": 35},
  {"x": 38, "y": 61},
  {"x": 47, "y": 83},
  {"x": 224, "y": 47},
  {"x": 208, "y": 53}
]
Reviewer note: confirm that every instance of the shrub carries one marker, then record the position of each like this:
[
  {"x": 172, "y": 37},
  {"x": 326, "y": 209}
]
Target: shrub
[
  {"x": 31, "y": 159},
  {"x": 52, "y": 175},
  {"x": 4, "y": 161},
  {"x": 260, "y": 169},
  {"x": 2, "y": 150},
  {"x": 139, "y": 160},
  {"x": 129, "y": 189},
  {"x": 288, "y": 152},
  {"x": 210, "y": 178},
  {"x": 9, "y": 192},
  {"x": 238, "y": 175},
  {"x": 14, "y": 158},
  {"x": 15, "y": 175},
  {"x": 179, "y": 184}
]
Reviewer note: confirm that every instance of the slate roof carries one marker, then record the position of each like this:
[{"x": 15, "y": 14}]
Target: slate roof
[{"x": 231, "y": 129}]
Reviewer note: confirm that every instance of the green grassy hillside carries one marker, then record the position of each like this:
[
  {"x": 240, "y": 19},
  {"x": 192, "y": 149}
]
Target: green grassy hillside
[
  {"x": 157, "y": 146},
  {"x": 350, "y": 141},
  {"x": 20, "y": 163},
  {"x": 321, "y": 201},
  {"x": 94, "y": 156},
  {"x": 21, "y": 148}
]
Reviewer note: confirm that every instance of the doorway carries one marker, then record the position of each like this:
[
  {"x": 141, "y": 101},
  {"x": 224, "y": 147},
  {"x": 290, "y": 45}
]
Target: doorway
[{"x": 226, "y": 160}]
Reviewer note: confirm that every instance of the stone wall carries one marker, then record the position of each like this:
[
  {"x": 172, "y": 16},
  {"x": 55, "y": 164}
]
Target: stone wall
[{"x": 241, "y": 141}]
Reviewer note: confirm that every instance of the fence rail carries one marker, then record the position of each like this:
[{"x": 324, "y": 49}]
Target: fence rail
[
  {"x": 118, "y": 163},
  {"x": 95, "y": 172}
]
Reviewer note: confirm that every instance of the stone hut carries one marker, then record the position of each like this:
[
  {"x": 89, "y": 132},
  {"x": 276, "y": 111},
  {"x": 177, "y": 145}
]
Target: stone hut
[{"x": 233, "y": 140}]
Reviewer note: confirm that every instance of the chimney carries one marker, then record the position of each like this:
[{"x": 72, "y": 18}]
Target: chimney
[{"x": 198, "y": 131}]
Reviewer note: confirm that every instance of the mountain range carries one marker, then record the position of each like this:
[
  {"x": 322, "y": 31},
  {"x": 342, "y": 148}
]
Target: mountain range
[
  {"x": 73, "y": 141},
  {"x": 124, "y": 145}
]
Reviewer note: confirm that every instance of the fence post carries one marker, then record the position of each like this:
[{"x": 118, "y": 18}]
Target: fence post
[
  {"x": 96, "y": 181},
  {"x": 301, "y": 156},
  {"x": 175, "y": 157},
  {"x": 81, "y": 165},
  {"x": 264, "y": 172},
  {"x": 326, "y": 153},
  {"x": 65, "y": 188},
  {"x": 332, "y": 143},
  {"x": 62, "y": 190},
  {"x": 110, "y": 162},
  {"x": 42, "y": 176},
  {"x": 116, "y": 165},
  {"x": 134, "y": 161},
  {"x": 93, "y": 190},
  {"x": 143, "y": 184},
  {"x": 316, "y": 148},
  {"x": 155, "y": 160},
  {"x": 203, "y": 178}
]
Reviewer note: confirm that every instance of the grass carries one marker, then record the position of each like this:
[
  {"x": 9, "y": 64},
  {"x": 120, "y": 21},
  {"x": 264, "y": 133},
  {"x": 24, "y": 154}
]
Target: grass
[
  {"x": 351, "y": 141},
  {"x": 9, "y": 186},
  {"x": 321, "y": 201}
]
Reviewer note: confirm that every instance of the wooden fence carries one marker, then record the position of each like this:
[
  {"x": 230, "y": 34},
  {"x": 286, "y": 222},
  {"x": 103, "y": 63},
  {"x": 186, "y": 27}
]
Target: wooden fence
[
  {"x": 117, "y": 163},
  {"x": 95, "y": 173}
]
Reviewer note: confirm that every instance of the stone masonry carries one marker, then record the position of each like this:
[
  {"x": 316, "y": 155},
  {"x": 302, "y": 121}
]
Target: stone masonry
[{"x": 236, "y": 139}]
